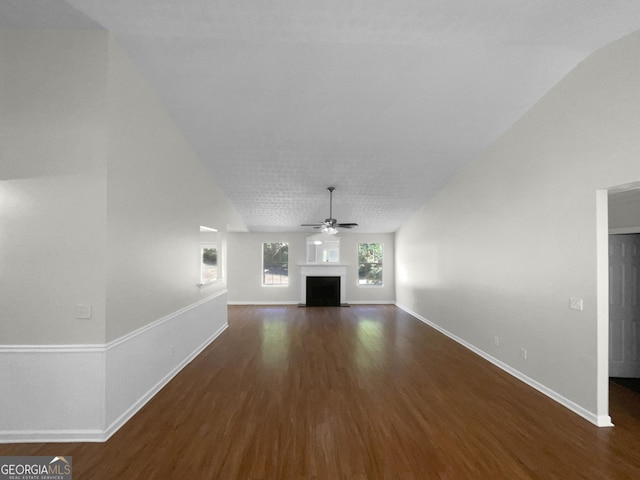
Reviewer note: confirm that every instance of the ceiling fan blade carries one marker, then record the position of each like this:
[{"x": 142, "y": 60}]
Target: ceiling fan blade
[
  {"x": 311, "y": 224},
  {"x": 346, "y": 225}
]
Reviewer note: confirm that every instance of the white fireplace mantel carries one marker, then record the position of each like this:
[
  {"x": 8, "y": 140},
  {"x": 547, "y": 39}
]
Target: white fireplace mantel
[{"x": 323, "y": 270}]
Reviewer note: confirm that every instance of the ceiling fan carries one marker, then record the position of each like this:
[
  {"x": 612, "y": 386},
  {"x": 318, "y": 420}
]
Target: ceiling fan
[{"x": 329, "y": 226}]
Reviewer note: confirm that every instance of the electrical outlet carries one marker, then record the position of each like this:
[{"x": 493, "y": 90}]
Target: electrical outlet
[
  {"x": 575, "y": 303},
  {"x": 496, "y": 341},
  {"x": 523, "y": 353}
]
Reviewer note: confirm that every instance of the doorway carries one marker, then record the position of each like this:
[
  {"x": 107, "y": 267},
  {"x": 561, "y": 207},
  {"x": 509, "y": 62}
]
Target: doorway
[
  {"x": 624, "y": 288},
  {"x": 624, "y": 305},
  {"x": 618, "y": 290}
]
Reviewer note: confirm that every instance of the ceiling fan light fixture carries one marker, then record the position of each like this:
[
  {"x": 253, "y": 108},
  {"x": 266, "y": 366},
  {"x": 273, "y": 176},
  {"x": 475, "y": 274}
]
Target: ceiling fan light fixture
[{"x": 328, "y": 230}]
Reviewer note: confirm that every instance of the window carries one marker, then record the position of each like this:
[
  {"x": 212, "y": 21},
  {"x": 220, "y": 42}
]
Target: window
[
  {"x": 275, "y": 264},
  {"x": 209, "y": 264},
  {"x": 369, "y": 264},
  {"x": 321, "y": 249},
  {"x": 209, "y": 253}
]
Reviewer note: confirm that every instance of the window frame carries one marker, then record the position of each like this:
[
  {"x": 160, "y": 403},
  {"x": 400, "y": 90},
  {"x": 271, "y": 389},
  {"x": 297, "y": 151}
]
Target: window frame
[
  {"x": 203, "y": 246},
  {"x": 381, "y": 263},
  {"x": 263, "y": 269}
]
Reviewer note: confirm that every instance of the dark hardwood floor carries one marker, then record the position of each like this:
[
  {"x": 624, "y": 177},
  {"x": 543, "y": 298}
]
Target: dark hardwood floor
[{"x": 366, "y": 392}]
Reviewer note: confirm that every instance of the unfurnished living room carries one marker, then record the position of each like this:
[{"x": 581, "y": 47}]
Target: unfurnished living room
[{"x": 320, "y": 240}]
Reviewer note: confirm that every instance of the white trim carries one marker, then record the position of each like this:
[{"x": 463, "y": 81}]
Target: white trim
[
  {"x": 262, "y": 302},
  {"x": 373, "y": 302},
  {"x": 158, "y": 355},
  {"x": 61, "y": 395},
  {"x": 623, "y": 230},
  {"x": 52, "y": 348},
  {"x": 126, "y": 416},
  {"x": 92, "y": 348},
  {"x": 157, "y": 323},
  {"x": 602, "y": 304},
  {"x": 88, "y": 387},
  {"x": 50, "y": 436},
  {"x": 290, "y": 302},
  {"x": 599, "y": 420}
]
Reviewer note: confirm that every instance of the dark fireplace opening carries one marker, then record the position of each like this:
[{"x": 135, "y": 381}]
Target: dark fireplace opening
[{"x": 323, "y": 291}]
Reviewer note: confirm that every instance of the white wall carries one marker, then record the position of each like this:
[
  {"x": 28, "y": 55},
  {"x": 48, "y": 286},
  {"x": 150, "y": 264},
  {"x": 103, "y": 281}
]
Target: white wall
[
  {"x": 502, "y": 248},
  {"x": 52, "y": 186},
  {"x": 245, "y": 274},
  {"x": 624, "y": 210},
  {"x": 97, "y": 185},
  {"x": 158, "y": 196},
  {"x": 101, "y": 202}
]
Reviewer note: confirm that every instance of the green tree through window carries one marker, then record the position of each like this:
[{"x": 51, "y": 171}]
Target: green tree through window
[
  {"x": 209, "y": 265},
  {"x": 275, "y": 264},
  {"x": 369, "y": 264}
]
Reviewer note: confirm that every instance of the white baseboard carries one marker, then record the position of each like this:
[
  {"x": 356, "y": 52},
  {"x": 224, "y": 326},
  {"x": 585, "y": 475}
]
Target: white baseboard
[
  {"x": 599, "y": 420},
  {"x": 356, "y": 302},
  {"x": 142, "y": 401},
  {"x": 85, "y": 393},
  {"x": 257, "y": 303},
  {"x": 51, "y": 436},
  {"x": 372, "y": 302}
]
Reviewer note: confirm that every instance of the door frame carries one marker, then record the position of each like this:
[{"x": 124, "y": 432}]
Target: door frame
[{"x": 602, "y": 296}]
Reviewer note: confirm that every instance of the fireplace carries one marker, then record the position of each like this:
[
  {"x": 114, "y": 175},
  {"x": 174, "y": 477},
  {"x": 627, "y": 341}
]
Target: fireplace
[
  {"x": 323, "y": 291},
  {"x": 336, "y": 271}
]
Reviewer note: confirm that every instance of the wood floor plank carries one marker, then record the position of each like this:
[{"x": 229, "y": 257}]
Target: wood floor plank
[{"x": 366, "y": 392}]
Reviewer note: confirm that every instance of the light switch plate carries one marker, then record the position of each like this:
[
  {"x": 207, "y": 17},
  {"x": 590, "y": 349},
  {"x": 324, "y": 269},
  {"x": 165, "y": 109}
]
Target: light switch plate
[
  {"x": 575, "y": 303},
  {"x": 83, "y": 312}
]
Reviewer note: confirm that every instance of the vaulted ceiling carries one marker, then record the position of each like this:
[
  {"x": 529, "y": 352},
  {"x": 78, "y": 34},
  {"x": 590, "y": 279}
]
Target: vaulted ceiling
[{"x": 384, "y": 100}]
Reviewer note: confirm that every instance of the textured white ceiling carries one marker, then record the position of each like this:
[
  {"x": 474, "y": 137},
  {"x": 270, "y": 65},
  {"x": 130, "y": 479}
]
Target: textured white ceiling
[{"x": 384, "y": 100}]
